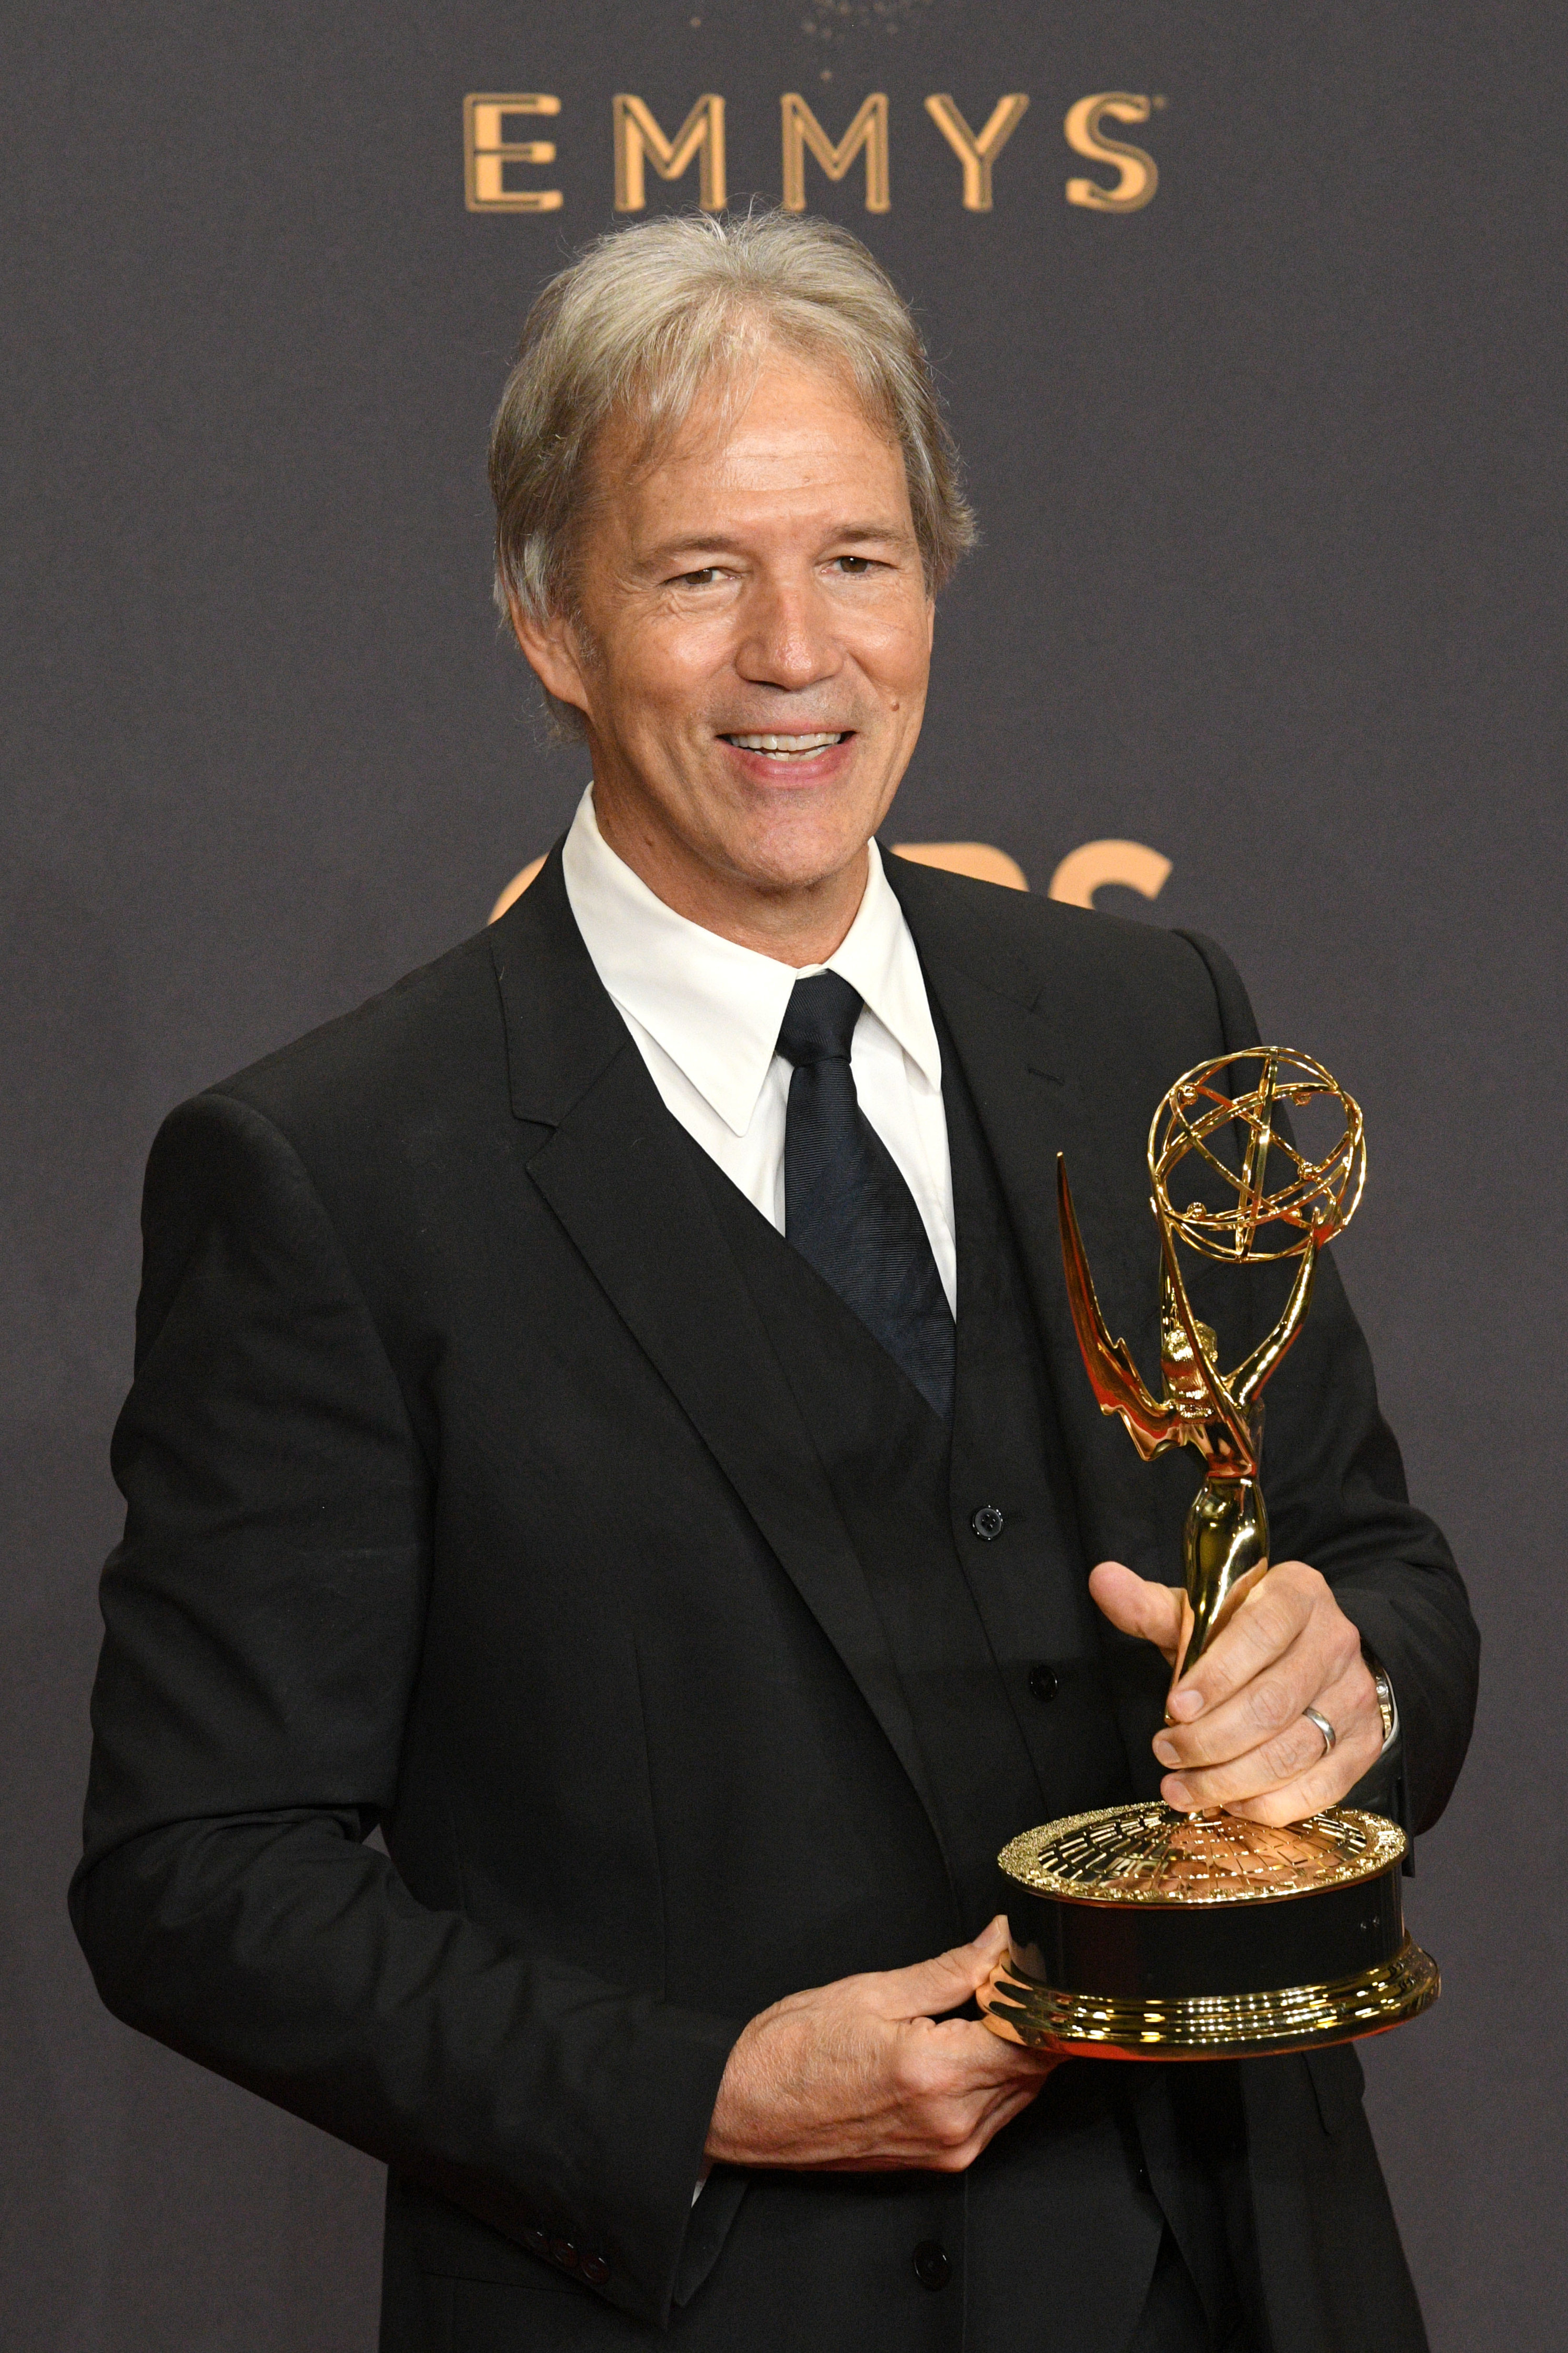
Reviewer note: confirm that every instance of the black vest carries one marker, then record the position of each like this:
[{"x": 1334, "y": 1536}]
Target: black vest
[{"x": 975, "y": 1569}]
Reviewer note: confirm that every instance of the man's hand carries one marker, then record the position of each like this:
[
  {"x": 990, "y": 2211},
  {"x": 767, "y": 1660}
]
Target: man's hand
[
  {"x": 866, "y": 2075},
  {"x": 1239, "y": 1738}
]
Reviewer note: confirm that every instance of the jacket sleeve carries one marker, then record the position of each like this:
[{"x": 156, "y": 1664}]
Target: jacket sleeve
[
  {"x": 1336, "y": 1494},
  {"x": 263, "y": 1619}
]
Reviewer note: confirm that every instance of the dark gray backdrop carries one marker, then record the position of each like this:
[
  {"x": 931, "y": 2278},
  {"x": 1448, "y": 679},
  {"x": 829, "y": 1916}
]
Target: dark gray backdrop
[{"x": 1269, "y": 474}]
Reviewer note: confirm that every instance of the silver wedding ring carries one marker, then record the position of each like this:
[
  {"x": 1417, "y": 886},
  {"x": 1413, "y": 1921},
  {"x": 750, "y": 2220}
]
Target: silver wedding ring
[{"x": 1324, "y": 1726}]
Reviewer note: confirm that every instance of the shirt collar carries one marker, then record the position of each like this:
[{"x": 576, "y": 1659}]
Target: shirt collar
[{"x": 715, "y": 1008}]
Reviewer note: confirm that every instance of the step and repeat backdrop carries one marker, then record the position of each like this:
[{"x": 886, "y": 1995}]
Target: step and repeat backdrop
[{"x": 1249, "y": 326}]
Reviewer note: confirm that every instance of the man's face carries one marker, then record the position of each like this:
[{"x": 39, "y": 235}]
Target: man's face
[{"x": 754, "y": 641}]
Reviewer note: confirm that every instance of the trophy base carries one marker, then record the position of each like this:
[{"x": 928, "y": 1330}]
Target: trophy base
[
  {"x": 1137, "y": 1933},
  {"x": 1211, "y": 2026}
]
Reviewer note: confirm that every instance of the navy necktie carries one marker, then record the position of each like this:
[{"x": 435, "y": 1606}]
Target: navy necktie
[{"x": 848, "y": 1210}]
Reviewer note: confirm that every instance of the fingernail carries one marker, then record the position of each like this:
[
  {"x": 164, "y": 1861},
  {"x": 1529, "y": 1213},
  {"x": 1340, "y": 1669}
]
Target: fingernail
[
  {"x": 1166, "y": 1750},
  {"x": 1177, "y": 1795},
  {"x": 1185, "y": 1704}
]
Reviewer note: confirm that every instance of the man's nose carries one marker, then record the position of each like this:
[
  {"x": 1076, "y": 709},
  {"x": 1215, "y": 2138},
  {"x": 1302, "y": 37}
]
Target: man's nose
[{"x": 787, "y": 639}]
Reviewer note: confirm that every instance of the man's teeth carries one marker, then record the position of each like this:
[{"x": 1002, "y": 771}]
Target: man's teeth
[{"x": 787, "y": 744}]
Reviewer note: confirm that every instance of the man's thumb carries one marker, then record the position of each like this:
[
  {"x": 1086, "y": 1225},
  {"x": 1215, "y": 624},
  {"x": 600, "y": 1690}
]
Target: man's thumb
[
  {"x": 1138, "y": 1606},
  {"x": 930, "y": 1987}
]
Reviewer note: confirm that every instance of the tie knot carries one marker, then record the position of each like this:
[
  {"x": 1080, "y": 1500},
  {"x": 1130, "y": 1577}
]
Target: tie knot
[{"x": 819, "y": 1020}]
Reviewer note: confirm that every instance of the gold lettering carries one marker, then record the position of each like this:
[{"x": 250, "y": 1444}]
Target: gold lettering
[
  {"x": 1137, "y": 174},
  {"x": 1132, "y": 864},
  {"x": 487, "y": 152},
  {"x": 868, "y": 130},
  {"x": 515, "y": 889},
  {"x": 980, "y": 859},
  {"x": 639, "y": 139},
  {"x": 977, "y": 151}
]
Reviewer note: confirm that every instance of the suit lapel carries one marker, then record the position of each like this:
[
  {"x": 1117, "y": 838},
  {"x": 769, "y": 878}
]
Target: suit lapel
[{"x": 615, "y": 1166}]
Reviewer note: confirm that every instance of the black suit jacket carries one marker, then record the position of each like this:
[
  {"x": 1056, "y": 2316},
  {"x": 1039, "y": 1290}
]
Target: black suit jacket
[{"x": 467, "y": 1497}]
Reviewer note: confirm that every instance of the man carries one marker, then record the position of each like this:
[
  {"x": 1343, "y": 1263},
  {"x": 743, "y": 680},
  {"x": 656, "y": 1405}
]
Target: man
[{"x": 607, "y": 1414}]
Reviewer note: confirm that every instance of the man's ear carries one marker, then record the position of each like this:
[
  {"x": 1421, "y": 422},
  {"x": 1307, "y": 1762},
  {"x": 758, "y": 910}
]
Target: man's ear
[{"x": 549, "y": 649}]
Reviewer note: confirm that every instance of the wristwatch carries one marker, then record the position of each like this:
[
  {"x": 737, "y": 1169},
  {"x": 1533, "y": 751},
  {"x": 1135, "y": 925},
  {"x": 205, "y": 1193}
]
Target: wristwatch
[{"x": 1385, "y": 1706}]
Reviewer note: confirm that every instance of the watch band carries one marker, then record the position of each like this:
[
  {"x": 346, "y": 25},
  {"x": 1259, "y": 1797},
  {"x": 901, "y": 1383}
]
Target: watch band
[{"x": 1385, "y": 1701}]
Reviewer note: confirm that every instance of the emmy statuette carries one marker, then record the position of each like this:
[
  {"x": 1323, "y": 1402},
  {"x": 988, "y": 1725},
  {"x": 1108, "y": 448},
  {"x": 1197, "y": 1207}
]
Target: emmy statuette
[{"x": 1137, "y": 1932}]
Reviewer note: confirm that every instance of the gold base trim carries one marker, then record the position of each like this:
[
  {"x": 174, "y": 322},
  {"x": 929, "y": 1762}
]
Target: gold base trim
[{"x": 1211, "y": 2026}]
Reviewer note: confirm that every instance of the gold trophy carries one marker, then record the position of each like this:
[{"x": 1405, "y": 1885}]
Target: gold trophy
[{"x": 1137, "y": 1932}]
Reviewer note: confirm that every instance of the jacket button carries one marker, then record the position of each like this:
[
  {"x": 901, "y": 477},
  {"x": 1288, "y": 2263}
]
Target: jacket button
[
  {"x": 537, "y": 2241},
  {"x": 564, "y": 2253},
  {"x": 1043, "y": 1683},
  {"x": 989, "y": 1522},
  {"x": 932, "y": 2267},
  {"x": 594, "y": 2270}
]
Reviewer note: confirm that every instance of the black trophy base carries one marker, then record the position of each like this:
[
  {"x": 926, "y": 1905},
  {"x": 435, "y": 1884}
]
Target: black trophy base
[{"x": 1137, "y": 1933}]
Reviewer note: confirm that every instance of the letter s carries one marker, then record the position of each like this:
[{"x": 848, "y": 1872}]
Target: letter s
[
  {"x": 1138, "y": 173},
  {"x": 1131, "y": 864}
]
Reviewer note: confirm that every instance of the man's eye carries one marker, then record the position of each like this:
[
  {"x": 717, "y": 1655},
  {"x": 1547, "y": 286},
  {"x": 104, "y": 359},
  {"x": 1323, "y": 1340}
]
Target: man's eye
[
  {"x": 854, "y": 565},
  {"x": 703, "y": 577}
]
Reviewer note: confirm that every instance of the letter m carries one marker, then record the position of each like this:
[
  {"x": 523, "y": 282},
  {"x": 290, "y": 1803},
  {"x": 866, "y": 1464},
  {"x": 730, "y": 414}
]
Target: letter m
[
  {"x": 639, "y": 140},
  {"x": 869, "y": 130}
]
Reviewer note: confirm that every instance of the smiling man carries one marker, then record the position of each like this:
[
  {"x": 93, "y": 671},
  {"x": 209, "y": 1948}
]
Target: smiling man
[{"x": 607, "y": 1415}]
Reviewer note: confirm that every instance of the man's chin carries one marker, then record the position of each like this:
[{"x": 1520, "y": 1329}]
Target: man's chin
[
  {"x": 781, "y": 838},
  {"x": 780, "y": 859},
  {"x": 795, "y": 831}
]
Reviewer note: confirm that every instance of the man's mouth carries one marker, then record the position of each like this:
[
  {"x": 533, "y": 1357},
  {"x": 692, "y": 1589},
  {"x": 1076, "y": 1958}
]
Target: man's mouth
[{"x": 788, "y": 747}]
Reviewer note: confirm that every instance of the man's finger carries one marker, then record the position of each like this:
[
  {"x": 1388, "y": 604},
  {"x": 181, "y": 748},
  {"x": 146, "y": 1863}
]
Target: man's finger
[
  {"x": 928, "y": 1989},
  {"x": 1351, "y": 1706},
  {"x": 969, "y": 2067},
  {"x": 1138, "y": 1606},
  {"x": 1323, "y": 1786},
  {"x": 949, "y": 2156},
  {"x": 1293, "y": 1769},
  {"x": 1307, "y": 1674},
  {"x": 1001, "y": 2112},
  {"x": 1275, "y": 1764},
  {"x": 1267, "y": 1624},
  {"x": 1264, "y": 1708}
]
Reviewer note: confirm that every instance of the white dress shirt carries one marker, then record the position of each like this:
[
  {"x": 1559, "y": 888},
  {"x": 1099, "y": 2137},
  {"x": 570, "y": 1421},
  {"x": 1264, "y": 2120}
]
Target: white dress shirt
[{"x": 706, "y": 1016}]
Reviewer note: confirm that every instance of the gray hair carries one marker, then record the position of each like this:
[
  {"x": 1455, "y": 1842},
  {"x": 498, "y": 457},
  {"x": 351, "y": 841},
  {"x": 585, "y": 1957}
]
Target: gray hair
[{"x": 645, "y": 318}]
